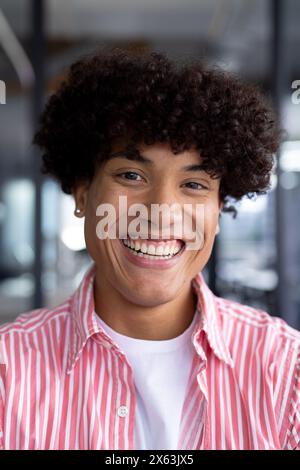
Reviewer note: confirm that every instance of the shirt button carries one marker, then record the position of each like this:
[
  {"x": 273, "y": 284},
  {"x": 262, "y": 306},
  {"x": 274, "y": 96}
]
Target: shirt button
[{"x": 122, "y": 411}]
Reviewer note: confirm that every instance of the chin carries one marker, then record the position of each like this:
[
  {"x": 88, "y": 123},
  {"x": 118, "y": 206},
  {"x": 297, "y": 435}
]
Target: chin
[
  {"x": 148, "y": 296},
  {"x": 152, "y": 302}
]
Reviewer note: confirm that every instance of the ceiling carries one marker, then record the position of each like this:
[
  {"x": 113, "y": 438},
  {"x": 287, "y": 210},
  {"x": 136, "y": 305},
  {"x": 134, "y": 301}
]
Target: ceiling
[{"x": 235, "y": 34}]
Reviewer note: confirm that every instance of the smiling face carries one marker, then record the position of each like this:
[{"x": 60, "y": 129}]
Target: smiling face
[{"x": 166, "y": 268}]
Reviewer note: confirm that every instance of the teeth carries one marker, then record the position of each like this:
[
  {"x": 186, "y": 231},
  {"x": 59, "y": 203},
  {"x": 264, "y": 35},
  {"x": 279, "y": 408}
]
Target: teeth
[
  {"x": 166, "y": 250},
  {"x": 159, "y": 250},
  {"x": 150, "y": 251}
]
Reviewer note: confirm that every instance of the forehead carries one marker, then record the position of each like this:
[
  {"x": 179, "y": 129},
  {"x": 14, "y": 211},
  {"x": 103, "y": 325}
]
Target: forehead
[{"x": 156, "y": 155}]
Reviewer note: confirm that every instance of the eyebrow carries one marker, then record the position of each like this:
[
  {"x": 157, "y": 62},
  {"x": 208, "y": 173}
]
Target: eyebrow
[
  {"x": 195, "y": 167},
  {"x": 138, "y": 157},
  {"x": 132, "y": 156}
]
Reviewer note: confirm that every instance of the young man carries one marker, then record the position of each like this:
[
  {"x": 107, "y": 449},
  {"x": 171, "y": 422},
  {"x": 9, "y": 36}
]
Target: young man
[{"x": 143, "y": 355}]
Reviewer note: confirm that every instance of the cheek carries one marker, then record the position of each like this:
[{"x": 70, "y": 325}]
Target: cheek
[
  {"x": 202, "y": 255},
  {"x": 211, "y": 217},
  {"x": 93, "y": 243},
  {"x": 205, "y": 224},
  {"x": 98, "y": 247},
  {"x": 98, "y": 195},
  {"x": 210, "y": 225},
  {"x": 90, "y": 235}
]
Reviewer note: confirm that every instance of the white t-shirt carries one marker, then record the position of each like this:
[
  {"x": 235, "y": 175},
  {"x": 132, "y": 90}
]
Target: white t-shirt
[{"x": 160, "y": 370}]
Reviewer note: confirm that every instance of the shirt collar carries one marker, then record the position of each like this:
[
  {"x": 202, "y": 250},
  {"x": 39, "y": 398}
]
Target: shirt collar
[
  {"x": 84, "y": 323},
  {"x": 209, "y": 322}
]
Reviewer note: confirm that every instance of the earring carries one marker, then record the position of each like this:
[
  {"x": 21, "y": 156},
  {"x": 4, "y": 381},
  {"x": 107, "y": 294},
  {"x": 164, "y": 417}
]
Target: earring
[
  {"x": 217, "y": 229},
  {"x": 77, "y": 211}
]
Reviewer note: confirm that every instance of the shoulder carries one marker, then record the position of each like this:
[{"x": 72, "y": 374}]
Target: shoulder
[
  {"x": 257, "y": 322},
  {"x": 259, "y": 341},
  {"x": 31, "y": 330},
  {"x": 269, "y": 350},
  {"x": 31, "y": 351},
  {"x": 35, "y": 320}
]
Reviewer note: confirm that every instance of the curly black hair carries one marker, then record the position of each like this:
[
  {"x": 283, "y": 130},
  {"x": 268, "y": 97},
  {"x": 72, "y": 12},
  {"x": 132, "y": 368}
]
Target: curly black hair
[{"x": 112, "y": 95}]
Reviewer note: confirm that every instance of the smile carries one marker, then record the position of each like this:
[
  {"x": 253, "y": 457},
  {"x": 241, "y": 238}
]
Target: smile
[
  {"x": 153, "y": 248},
  {"x": 153, "y": 253}
]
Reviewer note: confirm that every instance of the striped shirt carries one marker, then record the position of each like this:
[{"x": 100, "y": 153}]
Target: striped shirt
[{"x": 64, "y": 384}]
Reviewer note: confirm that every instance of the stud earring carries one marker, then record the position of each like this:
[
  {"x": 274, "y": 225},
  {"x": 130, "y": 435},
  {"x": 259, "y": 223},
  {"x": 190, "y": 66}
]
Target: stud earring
[{"x": 77, "y": 211}]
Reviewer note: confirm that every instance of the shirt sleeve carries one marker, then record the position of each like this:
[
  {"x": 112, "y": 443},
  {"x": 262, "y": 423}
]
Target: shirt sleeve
[
  {"x": 2, "y": 397},
  {"x": 293, "y": 431}
]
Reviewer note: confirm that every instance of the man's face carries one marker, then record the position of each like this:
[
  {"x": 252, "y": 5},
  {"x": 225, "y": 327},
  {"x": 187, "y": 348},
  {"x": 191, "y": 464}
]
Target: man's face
[{"x": 150, "y": 279}]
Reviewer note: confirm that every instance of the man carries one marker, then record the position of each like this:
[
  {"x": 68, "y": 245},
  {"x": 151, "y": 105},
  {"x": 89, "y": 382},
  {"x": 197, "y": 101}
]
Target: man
[{"x": 143, "y": 355}]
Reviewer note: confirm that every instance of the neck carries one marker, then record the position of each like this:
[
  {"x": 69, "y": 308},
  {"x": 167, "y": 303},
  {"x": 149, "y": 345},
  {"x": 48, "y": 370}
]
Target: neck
[{"x": 161, "y": 322}]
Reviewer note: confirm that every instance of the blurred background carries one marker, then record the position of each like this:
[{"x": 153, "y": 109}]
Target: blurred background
[{"x": 256, "y": 258}]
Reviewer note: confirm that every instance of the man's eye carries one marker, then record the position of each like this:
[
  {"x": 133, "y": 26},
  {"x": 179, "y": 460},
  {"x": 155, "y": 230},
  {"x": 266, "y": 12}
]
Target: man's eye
[
  {"x": 130, "y": 175},
  {"x": 194, "y": 185}
]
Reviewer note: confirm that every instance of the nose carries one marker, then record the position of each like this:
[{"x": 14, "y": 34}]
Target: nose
[{"x": 165, "y": 210}]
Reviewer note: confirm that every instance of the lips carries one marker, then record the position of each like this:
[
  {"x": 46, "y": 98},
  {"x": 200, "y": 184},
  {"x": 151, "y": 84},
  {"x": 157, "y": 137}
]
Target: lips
[{"x": 154, "y": 248}]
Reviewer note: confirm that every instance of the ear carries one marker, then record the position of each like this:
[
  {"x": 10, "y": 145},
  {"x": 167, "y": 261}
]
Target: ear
[{"x": 80, "y": 194}]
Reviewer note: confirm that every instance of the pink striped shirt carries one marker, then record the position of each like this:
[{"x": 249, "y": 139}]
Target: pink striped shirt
[{"x": 64, "y": 384}]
